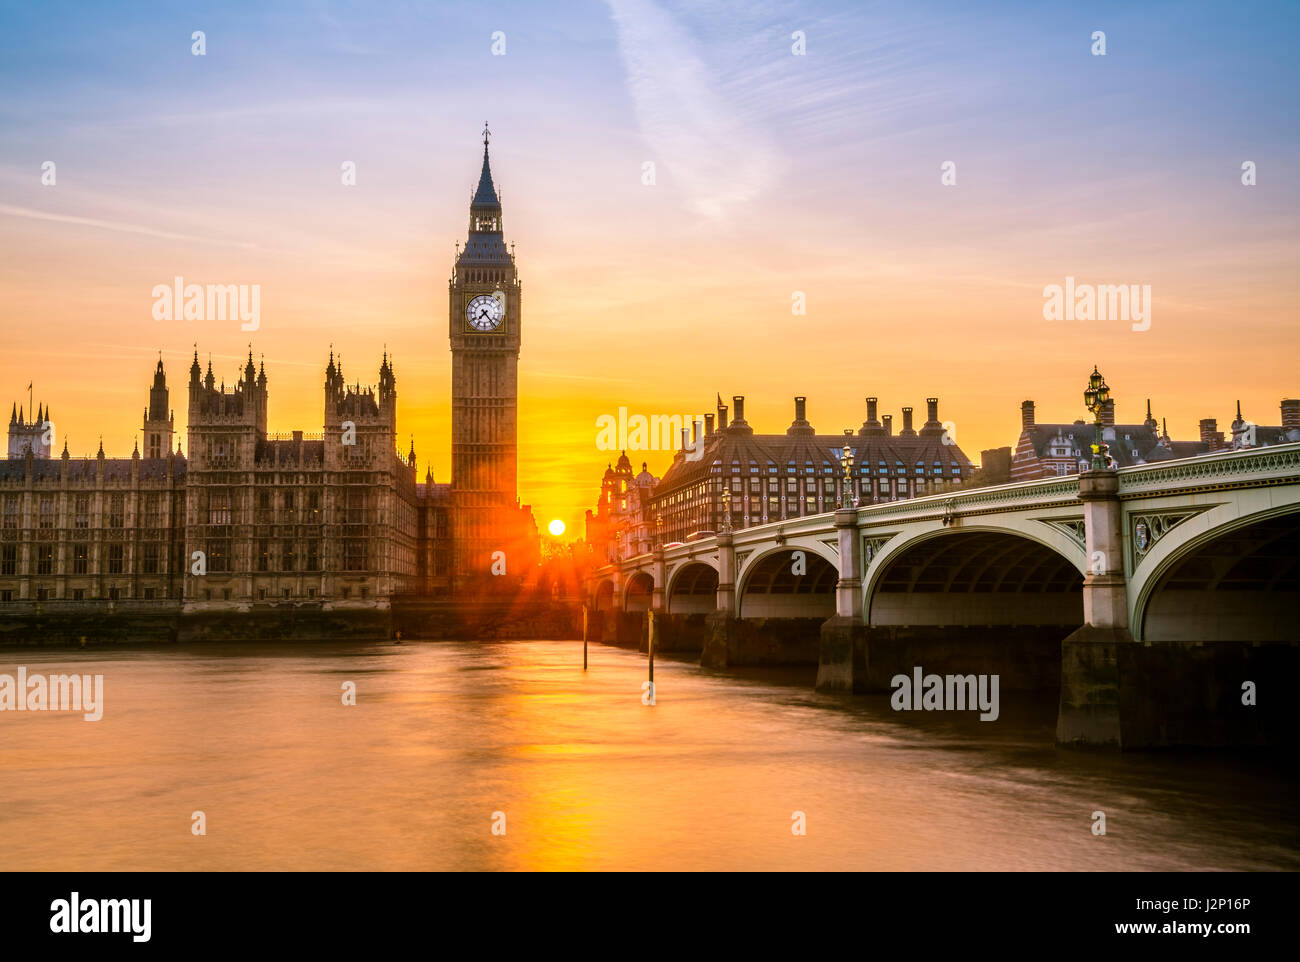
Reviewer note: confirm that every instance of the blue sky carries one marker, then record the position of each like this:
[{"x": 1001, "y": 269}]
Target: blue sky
[{"x": 775, "y": 173}]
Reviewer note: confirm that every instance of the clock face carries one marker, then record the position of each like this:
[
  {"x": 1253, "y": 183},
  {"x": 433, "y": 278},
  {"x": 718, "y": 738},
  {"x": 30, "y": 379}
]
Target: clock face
[{"x": 486, "y": 312}]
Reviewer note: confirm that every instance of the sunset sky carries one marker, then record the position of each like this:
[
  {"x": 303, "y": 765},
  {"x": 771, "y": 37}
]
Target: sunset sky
[{"x": 775, "y": 173}]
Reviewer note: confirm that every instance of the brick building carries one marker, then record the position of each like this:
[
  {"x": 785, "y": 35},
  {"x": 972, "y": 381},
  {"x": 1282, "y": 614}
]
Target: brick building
[{"x": 773, "y": 477}]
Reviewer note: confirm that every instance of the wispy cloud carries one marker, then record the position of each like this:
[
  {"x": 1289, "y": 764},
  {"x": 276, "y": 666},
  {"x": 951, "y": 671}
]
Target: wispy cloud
[
  {"x": 120, "y": 226},
  {"x": 703, "y": 142}
]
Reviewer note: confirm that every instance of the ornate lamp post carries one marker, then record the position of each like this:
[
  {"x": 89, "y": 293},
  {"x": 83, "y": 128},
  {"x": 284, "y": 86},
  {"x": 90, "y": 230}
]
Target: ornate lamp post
[
  {"x": 659, "y": 528},
  {"x": 847, "y": 498},
  {"x": 1095, "y": 398},
  {"x": 726, "y": 507}
]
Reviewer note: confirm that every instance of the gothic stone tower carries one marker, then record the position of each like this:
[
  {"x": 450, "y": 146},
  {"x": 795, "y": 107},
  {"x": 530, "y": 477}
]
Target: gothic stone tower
[
  {"x": 159, "y": 423},
  {"x": 484, "y": 327},
  {"x": 225, "y": 431}
]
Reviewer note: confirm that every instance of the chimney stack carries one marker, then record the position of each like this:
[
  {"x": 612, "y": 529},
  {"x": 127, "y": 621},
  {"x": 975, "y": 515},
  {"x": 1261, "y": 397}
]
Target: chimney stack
[
  {"x": 800, "y": 426},
  {"x": 871, "y": 426},
  {"x": 1210, "y": 433},
  {"x": 738, "y": 402},
  {"x": 907, "y": 431},
  {"x": 932, "y": 428},
  {"x": 722, "y": 415},
  {"x": 888, "y": 421},
  {"x": 1108, "y": 414},
  {"x": 1026, "y": 415},
  {"x": 708, "y": 425},
  {"x": 1290, "y": 414}
]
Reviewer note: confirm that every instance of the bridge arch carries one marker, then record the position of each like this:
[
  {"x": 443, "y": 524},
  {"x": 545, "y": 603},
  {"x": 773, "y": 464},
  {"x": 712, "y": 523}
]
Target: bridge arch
[
  {"x": 638, "y": 593},
  {"x": 603, "y": 595},
  {"x": 692, "y": 589},
  {"x": 1231, "y": 573},
  {"x": 771, "y": 585},
  {"x": 977, "y": 575}
]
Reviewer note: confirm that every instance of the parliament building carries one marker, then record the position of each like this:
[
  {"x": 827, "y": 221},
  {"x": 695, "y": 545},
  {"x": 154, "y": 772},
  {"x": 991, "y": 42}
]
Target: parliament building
[{"x": 333, "y": 519}]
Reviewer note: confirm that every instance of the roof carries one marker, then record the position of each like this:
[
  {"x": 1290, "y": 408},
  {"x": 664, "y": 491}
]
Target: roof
[
  {"x": 1123, "y": 442},
  {"x": 728, "y": 446},
  {"x": 486, "y": 194},
  {"x": 1269, "y": 434},
  {"x": 484, "y": 248},
  {"x": 84, "y": 469}
]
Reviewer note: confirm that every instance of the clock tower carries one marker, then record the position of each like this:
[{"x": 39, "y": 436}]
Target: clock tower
[{"x": 484, "y": 327}]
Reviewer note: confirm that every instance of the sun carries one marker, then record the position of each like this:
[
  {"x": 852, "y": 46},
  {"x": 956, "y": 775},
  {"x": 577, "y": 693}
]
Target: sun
[{"x": 556, "y": 527}]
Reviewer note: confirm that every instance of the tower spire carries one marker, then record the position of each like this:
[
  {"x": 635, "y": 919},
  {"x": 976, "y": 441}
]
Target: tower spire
[{"x": 486, "y": 194}]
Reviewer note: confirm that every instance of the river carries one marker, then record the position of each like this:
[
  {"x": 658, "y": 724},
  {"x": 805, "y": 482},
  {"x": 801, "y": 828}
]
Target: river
[{"x": 584, "y": 776}]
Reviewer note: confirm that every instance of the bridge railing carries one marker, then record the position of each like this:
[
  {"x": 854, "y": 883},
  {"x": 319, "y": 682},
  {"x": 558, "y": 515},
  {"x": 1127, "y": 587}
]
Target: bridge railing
[{"x": 1243, "y": 467}]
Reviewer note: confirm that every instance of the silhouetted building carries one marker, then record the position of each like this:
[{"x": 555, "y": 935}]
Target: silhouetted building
[
  {"x": 624, "y": 519},
  {"x": 334, "y": 519}
]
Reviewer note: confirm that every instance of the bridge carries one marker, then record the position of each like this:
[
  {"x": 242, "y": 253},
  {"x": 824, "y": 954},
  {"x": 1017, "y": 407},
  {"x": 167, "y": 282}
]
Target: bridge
[{"x": 1149, "y": 595}]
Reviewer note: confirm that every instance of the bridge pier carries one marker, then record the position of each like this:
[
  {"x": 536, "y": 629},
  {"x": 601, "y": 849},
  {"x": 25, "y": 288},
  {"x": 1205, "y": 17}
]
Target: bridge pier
[
  {"x": 842, "y": 646},
  {"x": 1091, "y": 656},
  {"x": 720, "y": 627}
]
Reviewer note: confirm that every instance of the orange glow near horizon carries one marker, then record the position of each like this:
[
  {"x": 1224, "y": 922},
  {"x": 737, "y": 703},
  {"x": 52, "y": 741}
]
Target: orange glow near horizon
[{"x": 597, "y": 337}]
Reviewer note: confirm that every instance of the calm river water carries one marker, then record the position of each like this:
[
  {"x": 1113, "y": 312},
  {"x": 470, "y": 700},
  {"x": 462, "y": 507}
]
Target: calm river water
[{"x": 443, "y": 735}]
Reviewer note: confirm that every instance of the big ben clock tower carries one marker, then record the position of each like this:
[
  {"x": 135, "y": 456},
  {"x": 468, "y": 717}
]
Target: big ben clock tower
[{"x": 484, "y": 327}]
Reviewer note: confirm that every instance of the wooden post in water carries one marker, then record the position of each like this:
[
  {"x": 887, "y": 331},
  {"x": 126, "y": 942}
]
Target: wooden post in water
[
  {"x": 584, "y": 637},
  {"x": 650, "y": 642}
]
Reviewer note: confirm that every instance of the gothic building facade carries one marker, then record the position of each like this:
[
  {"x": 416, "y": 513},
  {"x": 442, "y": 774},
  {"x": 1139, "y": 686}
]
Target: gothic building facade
[{"x": 334, "y": 519}]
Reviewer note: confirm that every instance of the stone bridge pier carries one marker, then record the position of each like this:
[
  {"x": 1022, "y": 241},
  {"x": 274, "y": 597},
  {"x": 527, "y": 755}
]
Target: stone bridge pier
[{"x": 1090, "y": 680}]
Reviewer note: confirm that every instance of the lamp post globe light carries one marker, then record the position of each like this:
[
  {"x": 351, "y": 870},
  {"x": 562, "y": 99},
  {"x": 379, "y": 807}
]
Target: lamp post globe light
[
  {"x": 847, "y": 498},
  {"x": 726, "y": 508},
  {"x": 1095, "y": 398}
]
